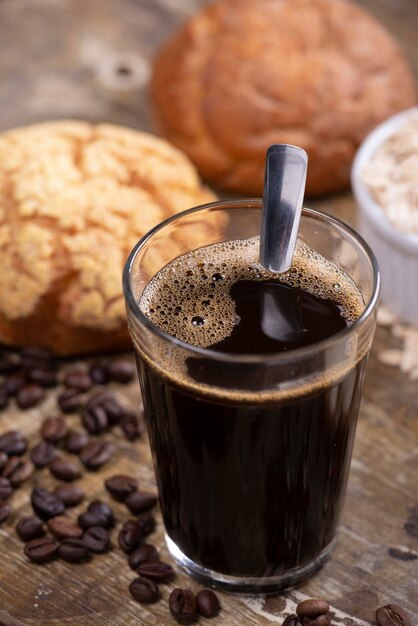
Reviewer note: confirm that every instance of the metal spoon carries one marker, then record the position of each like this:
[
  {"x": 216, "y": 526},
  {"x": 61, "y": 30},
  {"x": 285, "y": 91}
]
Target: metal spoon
[{"x": 284, "y": 189}]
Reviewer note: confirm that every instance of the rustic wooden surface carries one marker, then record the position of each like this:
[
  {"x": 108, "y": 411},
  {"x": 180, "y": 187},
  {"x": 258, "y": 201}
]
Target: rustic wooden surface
[{"x": 60, "y": 58}]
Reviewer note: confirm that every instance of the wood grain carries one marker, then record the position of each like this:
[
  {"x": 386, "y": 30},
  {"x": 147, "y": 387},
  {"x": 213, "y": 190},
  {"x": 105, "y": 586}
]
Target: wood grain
[{"x": 59, "y": 58}]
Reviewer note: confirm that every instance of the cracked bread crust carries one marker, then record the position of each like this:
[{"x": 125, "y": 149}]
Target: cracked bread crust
[
  {"x": 241, "y": 75},
  {"x": 74, "y": 199}
]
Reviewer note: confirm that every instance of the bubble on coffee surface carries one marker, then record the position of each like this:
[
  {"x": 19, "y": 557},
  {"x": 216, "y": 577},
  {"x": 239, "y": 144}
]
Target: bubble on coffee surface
[{"x": 190, "y": 297}]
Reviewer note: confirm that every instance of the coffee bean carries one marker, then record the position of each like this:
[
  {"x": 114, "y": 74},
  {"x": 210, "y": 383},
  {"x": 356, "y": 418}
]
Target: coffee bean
[
  {"x": 43, "y": 377},
  {"x": 146, "y": 553},
  {"x": 4, "y": 397},
  {"x": 62, "y": 527},
  {"x": 95, "y": 420},
  {"x": 120, "y": 486},
  {"x": 41, "y": 353},
  {"x": 98, "y": 374},
  {"x": 75, "y": 442},
  {"x": 70, "y": 401},
  {"x": 54, "y": 429},
  {"x": 73, "y": 550},
  {"x": 97, "y": 453},
  {"x": 42, "y": 454},
  {"x": 97, "y": 506},
  {"x": 114, "y": 411},
  {"x": 146, "y": 522},
  {"x": 89, "y": 519},
  {"x": 29, "y": 528},
  {"x": 78, "y": 380},
  {"x": 99, "y": 397},
  {"x": 7, "y": 365},
  {"x": 5, "y": 511},
  {"x": 71, "y": 495},
  {"x": 140, "y": 502},
  {"x": 29, "y": 396},
  {"x": 130, "y": 536},
  {"x": 131, "y": 427},
  {"x": 392, "y": 615},
  {"x": 159, "y": 571},
  {"x": 207, "y": 603},
  {"x": 64, "y": 470},
  {"x": 46, "y": 504},
  {"x": 144, "y": 590},
  {"x": 13, "y": 443},
  {"x": 121, "y": 371},
  {"x": 321, "y": 620},
  {"x": 294, "y": 620},
  {"x": 182, "y": 605},
  {"x": 15, "y": 382},
  {"x": 96, "y": 539},
  {"x": 41, "y": 550},
  {"x": 3, "y": 460},
  {"x": 11, "y": 465},
  {"x": 21, "y": 472},
  {"x": 312, "y": 608},
  {"x": 6, "y": 488}
]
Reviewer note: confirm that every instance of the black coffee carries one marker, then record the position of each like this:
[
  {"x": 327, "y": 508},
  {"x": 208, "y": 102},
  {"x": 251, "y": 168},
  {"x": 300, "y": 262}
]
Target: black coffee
[{"x": 251, "y": 482}]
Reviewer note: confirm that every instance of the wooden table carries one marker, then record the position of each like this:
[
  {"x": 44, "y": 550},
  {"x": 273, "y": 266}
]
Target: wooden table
[{"x": 59, "y": 58}]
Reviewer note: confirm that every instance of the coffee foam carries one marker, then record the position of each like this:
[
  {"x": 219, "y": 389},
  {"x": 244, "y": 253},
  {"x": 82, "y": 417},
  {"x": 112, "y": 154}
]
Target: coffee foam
[
  {"x": 174, "y": 286},
  {"x": 190, "y": 298}
]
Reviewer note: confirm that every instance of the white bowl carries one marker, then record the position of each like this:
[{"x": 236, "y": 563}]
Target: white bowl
[{"x": 396, "y": 252}]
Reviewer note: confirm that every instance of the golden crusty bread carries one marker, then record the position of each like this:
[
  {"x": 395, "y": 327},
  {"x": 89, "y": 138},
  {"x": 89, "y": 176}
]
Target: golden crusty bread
[
  {"x": 74, "y": 199},
  {"x": 243, "y": 74}
]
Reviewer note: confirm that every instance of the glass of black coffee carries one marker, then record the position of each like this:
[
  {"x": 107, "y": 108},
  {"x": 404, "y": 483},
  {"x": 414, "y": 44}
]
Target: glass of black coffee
[{"x": 251, "y": 385}]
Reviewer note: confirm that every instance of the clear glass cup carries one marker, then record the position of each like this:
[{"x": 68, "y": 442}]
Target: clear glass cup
[{"x": 251, "y": 473}]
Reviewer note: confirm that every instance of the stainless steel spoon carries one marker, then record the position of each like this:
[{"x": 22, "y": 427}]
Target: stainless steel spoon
[{"x": 284, "y": 190}]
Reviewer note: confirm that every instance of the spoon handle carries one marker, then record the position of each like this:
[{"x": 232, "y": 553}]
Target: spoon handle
[{"x": 284, "y": 189}]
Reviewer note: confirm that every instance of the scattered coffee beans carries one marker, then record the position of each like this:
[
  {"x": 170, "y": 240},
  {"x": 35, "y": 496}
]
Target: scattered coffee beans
[
  {"x": 10, "y": 466},
  {"x": 121, "y": 486},
  {"x": 29, "y": 528},
  {"x": 4, "y": 397},
  {"x": 146, "y": 553},
  {"x": 392, "y": 615},
  {"x": 312, "y": 608},
  {"x": 140, "y": 502},
  {"x": 90, "y": 519},
  {"x": 207, "y": 603},
  {"x": 76, "y": 441},
  {"x": 70, "y": 401},
  {"x": 182, "y": 605},
  {"x": 64, "y": 470},
  {"x": 130, "y": 536},
  {"x": 71, "y": 495},
  {"x": 121, "y": 371},
  {"x": 41, "y": 550},
  {"x": 96, "y": 454},
  {"x": 54, "y": 429},
  {"x": 144, "y": 590},
  {"x": 159, "y": 571},
  {"x": 73, "y": 550},
  {"x": 62, "y": 527},
  {"x": 13, "y": 443},
  {"x": 29, "y": 396},
  {"x": 42, "y": 454},
  {"x": 46, "y": 504},
  {"x": 5, "y": 511},
  {"x": 97, "y": 539}
]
